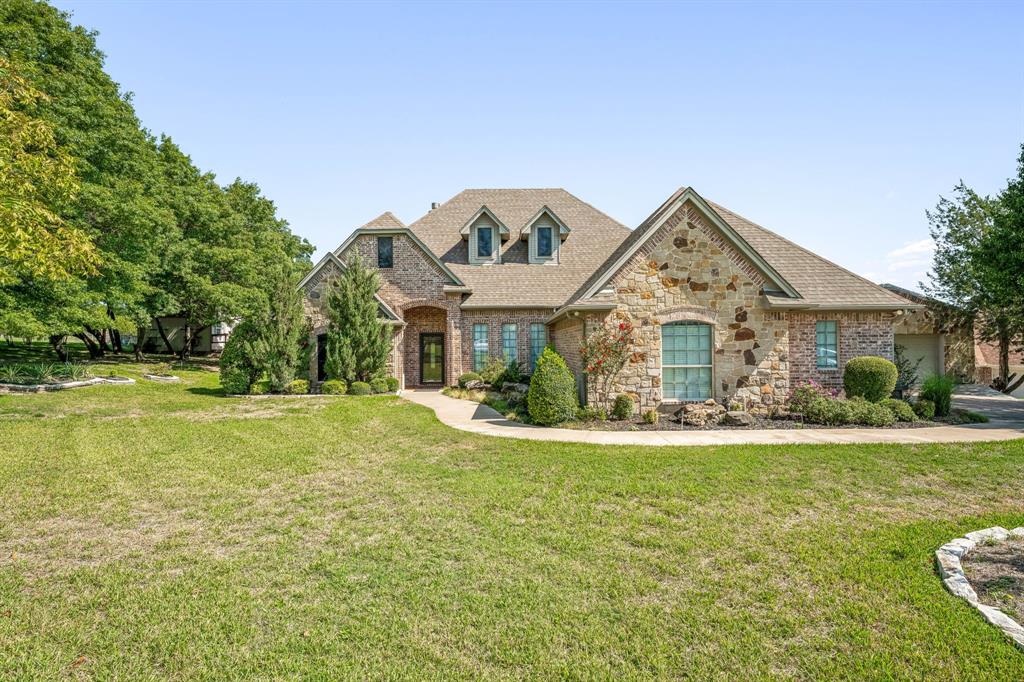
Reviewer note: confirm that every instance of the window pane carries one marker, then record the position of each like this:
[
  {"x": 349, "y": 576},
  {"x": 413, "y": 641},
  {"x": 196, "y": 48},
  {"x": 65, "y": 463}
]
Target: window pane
[
  {"x": 385, "y": 249},
  {"x": 686, "y": 383},
  {"x": 508, "y": 342},
  {"x": 538, "y": 339},
  {"x": 484, "y": 242},
  {"x": 544, "y": 241},
  {"x": 826, "y": 341},
  {"x": 480, "y": 350},
  {"x": 686, "y": 344}
]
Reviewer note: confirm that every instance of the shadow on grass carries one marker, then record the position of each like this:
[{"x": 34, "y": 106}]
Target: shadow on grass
[{"x": 199, "y": 390}]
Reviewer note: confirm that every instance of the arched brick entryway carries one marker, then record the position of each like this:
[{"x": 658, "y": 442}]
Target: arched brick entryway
[{"x": 420, "y": 321}]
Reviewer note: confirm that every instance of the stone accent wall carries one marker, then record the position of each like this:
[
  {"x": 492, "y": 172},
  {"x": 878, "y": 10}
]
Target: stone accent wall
[
  {"x": 494, "y": 319},
  {"x": 689, "y": 272},
  {"x": 958, "y": 354},
  {"x": 860, "y": 333}
]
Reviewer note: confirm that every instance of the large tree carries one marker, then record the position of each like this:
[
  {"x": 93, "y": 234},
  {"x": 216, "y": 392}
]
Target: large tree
[
  {"x": 358, "y": 342},
  {"x": 976, "y": 266}
]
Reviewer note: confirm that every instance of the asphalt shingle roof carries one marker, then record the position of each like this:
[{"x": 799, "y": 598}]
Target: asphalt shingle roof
[{"x": 592, "y": 237}]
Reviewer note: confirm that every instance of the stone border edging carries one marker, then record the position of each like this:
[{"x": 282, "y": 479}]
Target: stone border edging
[
  {"x": 157, "y": 377},
  {"x": 952, "y": 572},
  {"x": 39, "y": 388}
]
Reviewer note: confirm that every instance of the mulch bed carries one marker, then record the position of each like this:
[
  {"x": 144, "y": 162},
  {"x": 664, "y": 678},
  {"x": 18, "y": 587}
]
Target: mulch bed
[{"x": 996, "y": 571}]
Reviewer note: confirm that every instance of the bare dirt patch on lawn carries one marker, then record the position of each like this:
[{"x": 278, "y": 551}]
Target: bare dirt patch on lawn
[{"x": 996, "y": 571}]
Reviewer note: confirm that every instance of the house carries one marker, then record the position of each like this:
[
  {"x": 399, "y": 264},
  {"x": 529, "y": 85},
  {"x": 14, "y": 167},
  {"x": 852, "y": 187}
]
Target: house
[
  {"x": 723, "y": 308},
  {"x": 208, "y": 339}
]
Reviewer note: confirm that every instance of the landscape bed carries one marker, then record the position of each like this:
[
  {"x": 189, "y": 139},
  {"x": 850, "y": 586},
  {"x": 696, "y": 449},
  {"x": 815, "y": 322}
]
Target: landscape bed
[{"x": 169, "y": 532}]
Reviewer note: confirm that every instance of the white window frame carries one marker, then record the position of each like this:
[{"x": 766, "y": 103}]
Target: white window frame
[{"x": 710, "y": 366}]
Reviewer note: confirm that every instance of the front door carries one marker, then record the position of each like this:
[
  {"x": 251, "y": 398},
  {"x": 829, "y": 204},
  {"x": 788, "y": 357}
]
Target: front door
[{"x": 431, "y": 358}]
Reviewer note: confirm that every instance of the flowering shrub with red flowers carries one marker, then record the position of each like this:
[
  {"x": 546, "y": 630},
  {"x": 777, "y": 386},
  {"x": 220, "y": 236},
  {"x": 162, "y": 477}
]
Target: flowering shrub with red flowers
[
  {"x": 807, "y": 393},
  {"x": 604, "y": 354}
]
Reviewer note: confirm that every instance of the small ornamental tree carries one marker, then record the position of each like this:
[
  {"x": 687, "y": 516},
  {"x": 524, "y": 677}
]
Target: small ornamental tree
[
  {"x": 280, "y": 329},
  {"x": 358, "y": 342},
  {"x": 604, "y": 354}
]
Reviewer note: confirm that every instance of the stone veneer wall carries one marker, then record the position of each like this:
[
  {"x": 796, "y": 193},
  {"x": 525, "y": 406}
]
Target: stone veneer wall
[
  {"x": 494, "y": 319},
  {"x": 860, "y": 333},
  {"x": 689, "y": 272}
]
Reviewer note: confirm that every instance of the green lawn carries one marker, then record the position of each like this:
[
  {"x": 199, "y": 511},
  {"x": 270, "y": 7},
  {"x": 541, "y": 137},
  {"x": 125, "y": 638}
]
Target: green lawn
[{"x": 163, "y": 531}]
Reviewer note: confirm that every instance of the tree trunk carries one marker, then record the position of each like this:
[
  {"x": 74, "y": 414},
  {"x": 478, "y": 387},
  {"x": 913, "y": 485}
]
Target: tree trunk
[
  {"x": 186, "y": 345},
  {"x": 115, "y": 335},
  {"x": 95, "y": 352},
  {"x": 97, "y": 341},
  {"x": 163, "y": 334},
  {"x": 1004, "y": 356},
  {"x": 57, "y": 341},
  {"x": 139, "y": 336}
]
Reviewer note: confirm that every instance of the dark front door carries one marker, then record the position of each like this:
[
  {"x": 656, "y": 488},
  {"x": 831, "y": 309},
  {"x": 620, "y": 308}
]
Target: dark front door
[
  {"x": 431, "y": 358},
  {"x": 321, "y": 357}
]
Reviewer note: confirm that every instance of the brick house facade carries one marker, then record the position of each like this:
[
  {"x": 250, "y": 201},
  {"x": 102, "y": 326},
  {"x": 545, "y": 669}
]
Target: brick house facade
[{"x": 722, "y": 308}]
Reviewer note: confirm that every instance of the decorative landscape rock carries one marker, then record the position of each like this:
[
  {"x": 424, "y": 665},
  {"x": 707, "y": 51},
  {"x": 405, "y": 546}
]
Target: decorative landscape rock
[
  {"x": 475, "y": 384},
  {"x": 948, "y": 557},
  {"x": 701, "y": 414},
  {"x": 737, "y": 418},
  {"x": 39, "y": 388}
]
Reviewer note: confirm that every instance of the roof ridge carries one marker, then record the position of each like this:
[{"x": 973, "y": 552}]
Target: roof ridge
[
  {"x": 594, "y": 208},
  {"x": 719, "y": 207}
]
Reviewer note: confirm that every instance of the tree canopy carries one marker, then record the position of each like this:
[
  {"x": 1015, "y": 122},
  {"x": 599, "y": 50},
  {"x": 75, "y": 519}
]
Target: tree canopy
[{"x": 104, "y": 225}]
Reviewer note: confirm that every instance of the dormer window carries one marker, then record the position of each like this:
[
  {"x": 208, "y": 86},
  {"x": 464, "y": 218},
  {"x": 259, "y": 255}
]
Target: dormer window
[
  {"x": 545, "y": 234},
  {"x": 484, "y": 233},
  {"x": 484, "y": 241}
]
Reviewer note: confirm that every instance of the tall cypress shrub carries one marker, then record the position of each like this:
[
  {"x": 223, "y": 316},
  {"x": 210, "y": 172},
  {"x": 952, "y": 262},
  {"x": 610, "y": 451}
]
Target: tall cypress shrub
[{"x": 358, "y": 342}]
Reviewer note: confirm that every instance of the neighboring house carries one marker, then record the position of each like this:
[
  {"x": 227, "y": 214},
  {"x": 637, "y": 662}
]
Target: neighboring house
[
  {"x": 943, "y": 347},
  {"x": 207, "y": 339},
  {"x": 723, "y": 308}
]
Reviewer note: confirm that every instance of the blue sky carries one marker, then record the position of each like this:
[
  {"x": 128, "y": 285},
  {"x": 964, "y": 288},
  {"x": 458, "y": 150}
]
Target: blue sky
[{"x": 836, "y": 125}]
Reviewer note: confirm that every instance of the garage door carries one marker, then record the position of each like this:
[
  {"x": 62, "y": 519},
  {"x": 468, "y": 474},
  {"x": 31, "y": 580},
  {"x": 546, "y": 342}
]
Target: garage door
[{"x": 927, "y": 347}]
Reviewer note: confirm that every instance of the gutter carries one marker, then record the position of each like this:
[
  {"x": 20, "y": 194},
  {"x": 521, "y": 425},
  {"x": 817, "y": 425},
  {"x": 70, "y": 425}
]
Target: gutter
[{"x": 577, "y": 308}]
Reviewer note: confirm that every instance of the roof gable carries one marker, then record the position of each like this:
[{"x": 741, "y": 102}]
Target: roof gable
[
  {"x": 322, "y": 270},
  {"x": 402, "y": 231},
  {"x": 653, "y": 224},
  {"x": 385, "y": 219},
  {"x": 484, "y": 211},
  {"x": 563, "y": 230}
]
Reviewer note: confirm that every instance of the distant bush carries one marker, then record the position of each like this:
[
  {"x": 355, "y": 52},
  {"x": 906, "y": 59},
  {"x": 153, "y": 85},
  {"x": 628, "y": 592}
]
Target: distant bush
[
  {"x": 924, "y": 408},
  {"x": 552, "y": 395},
  {"x": 651, "y": 416},
  {"x": 510, "y": 375},
  {"x": 360, "y": 388},
  {"x": 379, "y": 385},
  {"x": 259, "y": 387},
  {"x": 467, "y": 377},
  {"x": 939, "y": 390},
  {"x": 392, "y": 383},
  {"x": 900, "y": 409},
  {"x": 622, "y": 408},
  {"x": 241, "y": 363},
  {"x": 869, "y": 377},
  {"x": 296, "y": 387},
  {"x": 334, "y": 387}
]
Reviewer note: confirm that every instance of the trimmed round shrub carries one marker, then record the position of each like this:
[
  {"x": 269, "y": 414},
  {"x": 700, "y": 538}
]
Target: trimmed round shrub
[
  {"x": 828, "y": 411},
  {"x": 297, "y": 387},
  {"x": 900, "y": 409},
  {"x": 379, "y": 385},
  {"x": 552, "y": 395},
  {"x": 924, "y": 408},
  {"x": 870, "y": 378},
  {"x": 468, "y": 377},
  {"x": 939, "y": 390},
  {"x": 334, "y": 387},
  {"x": 622, "y": 408},
  {"x": 392, "y": 383},
  {"x": 360, "y": 388},
  {"x": 651, "y": 416},
  {"x": 234, "y": 380}
]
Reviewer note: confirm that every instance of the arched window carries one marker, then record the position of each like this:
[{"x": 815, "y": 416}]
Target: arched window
[{"x": 686, "y": 361}]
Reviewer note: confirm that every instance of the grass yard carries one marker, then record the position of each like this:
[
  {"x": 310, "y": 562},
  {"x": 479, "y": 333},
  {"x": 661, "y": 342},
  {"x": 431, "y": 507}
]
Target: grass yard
[{"x": 163, "y": 531}]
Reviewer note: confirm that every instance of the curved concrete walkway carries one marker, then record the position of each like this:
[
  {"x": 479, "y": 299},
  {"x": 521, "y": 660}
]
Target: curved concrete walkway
[{"x": 1007, "y": 423}]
